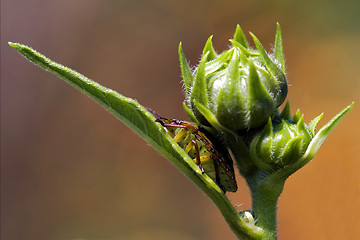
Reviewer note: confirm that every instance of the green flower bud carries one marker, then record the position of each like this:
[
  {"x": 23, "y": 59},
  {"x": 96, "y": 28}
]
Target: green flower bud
[
  {"x": 289, "y": 142},
  {"x": 241, "y": 86},
  {"x": 281, "y": 143}
]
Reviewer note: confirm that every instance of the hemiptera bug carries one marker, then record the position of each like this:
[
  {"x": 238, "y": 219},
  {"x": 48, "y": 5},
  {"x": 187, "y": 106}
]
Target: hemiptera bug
[{"x": 201, "y": 150}]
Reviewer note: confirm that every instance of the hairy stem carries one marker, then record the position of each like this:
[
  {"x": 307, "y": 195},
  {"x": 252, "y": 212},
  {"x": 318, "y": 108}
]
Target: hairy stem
[{"x": 265, "y": 193}]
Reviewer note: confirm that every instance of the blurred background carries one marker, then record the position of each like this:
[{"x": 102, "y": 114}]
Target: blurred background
[{"x": 70, "y": 170}]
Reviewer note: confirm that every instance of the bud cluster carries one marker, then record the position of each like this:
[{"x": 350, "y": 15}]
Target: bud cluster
[{"x": 238, "y": 93}]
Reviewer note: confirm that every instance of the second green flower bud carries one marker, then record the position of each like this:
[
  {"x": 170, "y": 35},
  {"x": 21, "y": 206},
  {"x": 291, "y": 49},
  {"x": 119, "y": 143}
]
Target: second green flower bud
[{"x": 242, "y": 87}]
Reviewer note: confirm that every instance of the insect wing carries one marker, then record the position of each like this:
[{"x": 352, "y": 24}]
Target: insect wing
[{"x": 219, "y": 170}]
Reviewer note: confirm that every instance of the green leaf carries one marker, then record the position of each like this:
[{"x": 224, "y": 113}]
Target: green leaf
[
  {"x": 143, "y": 123},
  {"x": 127, "y": 110}
]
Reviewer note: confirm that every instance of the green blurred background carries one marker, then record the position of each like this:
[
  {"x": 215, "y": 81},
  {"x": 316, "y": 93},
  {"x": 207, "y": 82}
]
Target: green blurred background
[{"x": 70, "y": 170}]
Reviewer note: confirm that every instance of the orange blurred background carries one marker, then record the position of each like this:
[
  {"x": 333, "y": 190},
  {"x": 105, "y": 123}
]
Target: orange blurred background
[{"x": 70, "y": 170}]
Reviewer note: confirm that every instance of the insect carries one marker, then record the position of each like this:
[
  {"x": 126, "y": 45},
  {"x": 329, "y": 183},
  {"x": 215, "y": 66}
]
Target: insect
[{"x": 201, "y": 150}]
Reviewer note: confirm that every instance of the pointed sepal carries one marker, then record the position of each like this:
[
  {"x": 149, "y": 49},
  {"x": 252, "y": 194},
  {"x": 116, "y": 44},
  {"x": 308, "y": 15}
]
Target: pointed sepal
[
  {"x": 209, "y": 48},
  {"x": 246, "y": 51},
  {"x": 278, "y": 50},
  {"x": 199, "y": 90},
  {"x": 292, "y": 151},
  {"x": 185, "y": 70},
  {"x": 230, "y": 98},
  {"x": 285, "y": 113},
  {"x": 239, "y": 37},
  {"x": 266, "y": 138},
  {"x": 296, "y": 116},
  {"x": 323, "y": 133},
  {"x": 314, "y": 123},
  {"x": 274, "y": 69},
  {"x": 303, "y": 130},
  {"x": 258, "y": 96}
]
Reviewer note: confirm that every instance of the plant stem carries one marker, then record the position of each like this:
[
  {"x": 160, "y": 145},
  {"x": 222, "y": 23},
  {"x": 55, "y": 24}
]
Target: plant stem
[{"x": 265, "y": 193}]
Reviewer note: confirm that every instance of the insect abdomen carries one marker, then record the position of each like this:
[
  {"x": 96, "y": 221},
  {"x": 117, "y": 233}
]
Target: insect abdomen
[{"x": 210, "y": 161}]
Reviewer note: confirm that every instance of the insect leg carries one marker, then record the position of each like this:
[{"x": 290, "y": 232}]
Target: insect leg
[{"x": 198, "y": 162}]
